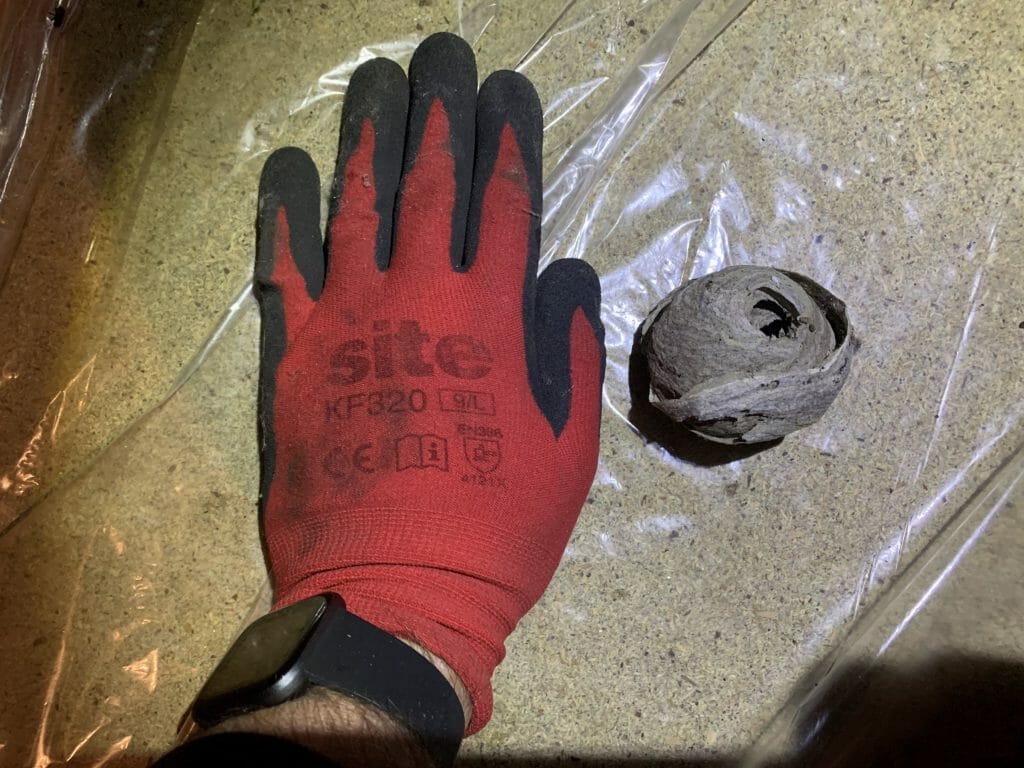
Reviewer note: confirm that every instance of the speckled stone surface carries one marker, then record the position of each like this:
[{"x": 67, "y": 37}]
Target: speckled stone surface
[{"x": 875, "y": 147}]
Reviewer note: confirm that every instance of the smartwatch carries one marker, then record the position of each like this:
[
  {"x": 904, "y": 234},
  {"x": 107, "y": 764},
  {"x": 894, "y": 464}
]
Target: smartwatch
[{"x": 316, "y": 641}]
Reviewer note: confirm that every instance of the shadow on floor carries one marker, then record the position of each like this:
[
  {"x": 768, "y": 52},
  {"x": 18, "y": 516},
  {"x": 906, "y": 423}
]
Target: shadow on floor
[
  {"x": 953, "y": 710},
  {"x": 592, "y": 761}
]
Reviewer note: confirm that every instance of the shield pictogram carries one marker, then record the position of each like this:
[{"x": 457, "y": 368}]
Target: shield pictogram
[{"x": 483, "y": 455}]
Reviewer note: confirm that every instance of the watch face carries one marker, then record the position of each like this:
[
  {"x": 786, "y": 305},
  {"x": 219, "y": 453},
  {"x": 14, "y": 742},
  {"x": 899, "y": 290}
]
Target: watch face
[{"x": 265, "y": 653}]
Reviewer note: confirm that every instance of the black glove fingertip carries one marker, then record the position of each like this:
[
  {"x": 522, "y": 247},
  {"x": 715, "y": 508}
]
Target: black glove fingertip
[
  {"x": 565, "y": 286},
  {"x": 290, "y": 182}
]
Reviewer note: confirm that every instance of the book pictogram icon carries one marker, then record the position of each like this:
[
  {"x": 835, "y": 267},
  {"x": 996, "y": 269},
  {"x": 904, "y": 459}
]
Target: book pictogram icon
[{"x": 421, "y": 452}]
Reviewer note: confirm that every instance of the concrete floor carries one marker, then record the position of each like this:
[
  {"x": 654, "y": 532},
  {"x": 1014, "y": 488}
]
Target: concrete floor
[{"x": 874, "y": 146}]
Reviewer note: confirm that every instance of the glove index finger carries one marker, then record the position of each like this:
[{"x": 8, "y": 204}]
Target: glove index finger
[
  {"x": 289, "y": 274},
  {"x": 362, "y": 202},
  {"x": 438, "y": 163},
  {"x": 503, "y": 227}
]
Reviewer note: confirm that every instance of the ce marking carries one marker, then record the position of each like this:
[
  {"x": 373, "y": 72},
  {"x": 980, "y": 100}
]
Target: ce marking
[{"x": 363, "y": 458}]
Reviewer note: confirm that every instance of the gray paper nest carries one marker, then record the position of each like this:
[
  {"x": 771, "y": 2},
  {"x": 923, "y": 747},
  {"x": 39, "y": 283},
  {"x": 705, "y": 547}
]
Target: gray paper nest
[{"x": 747, "y": 354}]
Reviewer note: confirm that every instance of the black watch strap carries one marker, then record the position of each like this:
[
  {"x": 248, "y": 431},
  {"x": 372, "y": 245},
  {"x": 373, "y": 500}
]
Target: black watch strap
[
  {"x": 352, "y": 656},
  {"x": 316, "y": 641}
]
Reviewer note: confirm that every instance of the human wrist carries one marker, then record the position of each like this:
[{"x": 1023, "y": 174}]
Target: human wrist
[
  {"x": 342, "y": 728},
  {"x": 307, "y": 649}
]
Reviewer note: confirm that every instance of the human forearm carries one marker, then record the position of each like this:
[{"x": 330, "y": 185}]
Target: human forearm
[{"x": 342, "y": 728}]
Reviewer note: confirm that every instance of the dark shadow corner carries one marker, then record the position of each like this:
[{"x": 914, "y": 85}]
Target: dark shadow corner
[
  {"x": 591, "y": 761},
  {"x": 949, "y": 710}
]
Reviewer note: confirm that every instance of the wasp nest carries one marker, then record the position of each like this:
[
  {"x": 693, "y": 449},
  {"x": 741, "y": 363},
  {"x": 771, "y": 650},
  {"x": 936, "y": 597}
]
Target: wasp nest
[{"x": 748, "y": 354}]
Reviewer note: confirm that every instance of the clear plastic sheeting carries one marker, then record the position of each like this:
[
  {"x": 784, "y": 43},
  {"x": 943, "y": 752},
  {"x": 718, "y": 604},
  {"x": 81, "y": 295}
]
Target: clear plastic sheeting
[
  {"x": 83, "y": 99},
  {"x": 710, "y": 599},
  {"x": 933, "y": 672},
  {"x": 29, "y": 60}
]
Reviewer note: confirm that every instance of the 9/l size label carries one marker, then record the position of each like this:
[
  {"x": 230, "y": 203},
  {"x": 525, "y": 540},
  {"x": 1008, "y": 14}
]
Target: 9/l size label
[{"x": 464, "y": 401}]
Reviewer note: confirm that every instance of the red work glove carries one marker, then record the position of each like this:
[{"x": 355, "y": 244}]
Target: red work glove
[{"x": 429, "y": 409}]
